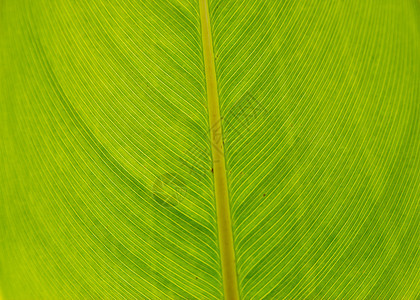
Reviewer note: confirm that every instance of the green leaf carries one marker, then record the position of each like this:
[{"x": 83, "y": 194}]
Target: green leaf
[{"x": 275, "y": 157}]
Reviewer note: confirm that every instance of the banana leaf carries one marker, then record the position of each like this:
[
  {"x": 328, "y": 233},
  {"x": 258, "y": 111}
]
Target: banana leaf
[{"x": 210, "y": 149}]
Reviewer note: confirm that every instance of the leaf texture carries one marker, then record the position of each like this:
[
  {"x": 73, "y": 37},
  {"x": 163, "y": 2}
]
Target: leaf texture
[
  {"x": 321, "y": 104},
  {"x": 107, "y": 180},
  {"x": 109, "y": 116}
]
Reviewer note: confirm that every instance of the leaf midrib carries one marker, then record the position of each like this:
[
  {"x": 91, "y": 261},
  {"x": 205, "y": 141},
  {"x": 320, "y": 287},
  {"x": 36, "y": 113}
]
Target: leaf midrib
[{"x": 227, "y": 252}]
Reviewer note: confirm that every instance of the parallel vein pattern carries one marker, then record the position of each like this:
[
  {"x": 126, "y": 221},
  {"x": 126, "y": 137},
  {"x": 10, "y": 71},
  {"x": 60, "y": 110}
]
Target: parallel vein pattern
[
  {"x": 108, "y": 188},
  {"x": 106, "y": 183},
  {"x": 320, "y": 102}
]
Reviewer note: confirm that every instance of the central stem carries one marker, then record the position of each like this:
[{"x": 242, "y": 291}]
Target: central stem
[{"x": 227, "y": 252}]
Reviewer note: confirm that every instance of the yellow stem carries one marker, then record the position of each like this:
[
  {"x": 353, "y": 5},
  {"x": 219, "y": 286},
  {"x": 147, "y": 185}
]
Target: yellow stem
[{"x": 227, "y": 253}]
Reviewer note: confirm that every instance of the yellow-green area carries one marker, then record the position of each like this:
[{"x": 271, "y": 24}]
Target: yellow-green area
[
  {"x": 227, "y": 252},
  {"x": 142, "y": 158}
]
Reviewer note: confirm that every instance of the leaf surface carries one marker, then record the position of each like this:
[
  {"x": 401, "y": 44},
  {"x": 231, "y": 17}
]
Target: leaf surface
[{"x": 108, "y": 180}]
